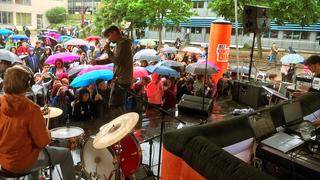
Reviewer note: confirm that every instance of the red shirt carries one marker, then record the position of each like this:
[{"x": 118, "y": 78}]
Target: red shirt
[{"x": 22, "y": 50}]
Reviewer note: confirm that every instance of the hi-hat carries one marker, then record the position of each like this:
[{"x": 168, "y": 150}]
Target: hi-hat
[
  {"x": 53, "y": 112},
  {"x": 115, "y": 130}
]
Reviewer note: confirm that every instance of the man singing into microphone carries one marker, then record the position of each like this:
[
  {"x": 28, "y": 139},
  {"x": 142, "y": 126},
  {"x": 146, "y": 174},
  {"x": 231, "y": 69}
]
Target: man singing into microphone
[{"x": 123, "y": 68}]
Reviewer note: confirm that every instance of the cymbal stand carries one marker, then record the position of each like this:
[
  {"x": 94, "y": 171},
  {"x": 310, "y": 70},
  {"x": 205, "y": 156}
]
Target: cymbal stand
[{"x": 119, "y": 175}]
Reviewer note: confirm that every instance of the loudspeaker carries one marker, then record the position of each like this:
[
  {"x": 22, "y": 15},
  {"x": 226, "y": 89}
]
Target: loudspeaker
[
  {"x": 193, "y": 104},
  {"x": 250, "y": 93},
  {"x": 256, "y": 19}
]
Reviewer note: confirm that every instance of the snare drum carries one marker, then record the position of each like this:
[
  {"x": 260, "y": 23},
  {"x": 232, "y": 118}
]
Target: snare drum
[
  {"x": 98, "y": 163},
  {"x": 70, "y": 137}
]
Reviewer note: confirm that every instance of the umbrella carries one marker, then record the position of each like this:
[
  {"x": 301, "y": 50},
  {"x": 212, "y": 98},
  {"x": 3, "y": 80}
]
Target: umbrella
[
  {"x": 43, "y": 38},
  {"x": 163, "y": 70},
  {"x": 94, "y": 68},
  {"x": 91, "y": 77},
  {"x": 242, "y": 69},
  {"x": 93, "y": 38},
  {"x": 76, "y": 42},
  {"x": 5, "y": 32},
  {"x": 147, "y": 54},
  {"x": 54, "y": 35},
  {"x": 65, "y": 57},
  {"x": 197, "y": 68},
  {"x": 139, "y": 72},
  {"x": 65, "y": 38},
  {"x": 147, "y": 42},
  {"x": 6, "y": 55},
  {"x": 292, "y": 59},
  {"x": 170, "y": 63},
  {"x": 17, "y": 37},
  {"x": 169, "y": 50},
  {"x": 203, "y": 61},
  {"x": 76, "y": 69},
  {"x": 192, "y": 50}
]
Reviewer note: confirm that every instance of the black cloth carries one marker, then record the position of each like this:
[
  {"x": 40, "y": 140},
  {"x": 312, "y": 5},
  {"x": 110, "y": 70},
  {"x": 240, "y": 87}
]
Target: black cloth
[
  {"x": 83, "y": 111},
  {"x": 101, "y": 106},
  {"x": 183, "y": 90}
]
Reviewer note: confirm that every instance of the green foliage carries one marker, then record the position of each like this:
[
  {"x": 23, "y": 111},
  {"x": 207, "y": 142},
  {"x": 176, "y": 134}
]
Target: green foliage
[
  {"x": 246, "y": 46},
  {"x": 136, "y": 13},
  {"x": 292, "y": 11},
  {"x": 56, "y": 15}
]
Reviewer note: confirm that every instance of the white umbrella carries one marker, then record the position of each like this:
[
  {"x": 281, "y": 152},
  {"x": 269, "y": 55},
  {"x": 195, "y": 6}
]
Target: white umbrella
[
  {"x": 192, "y": 50},
  {"x": 6, "y": 55},
  {"x": 147, "y": 54},
  {"x": 292, "y": 59},
  {"x": 76, "y": 42}
]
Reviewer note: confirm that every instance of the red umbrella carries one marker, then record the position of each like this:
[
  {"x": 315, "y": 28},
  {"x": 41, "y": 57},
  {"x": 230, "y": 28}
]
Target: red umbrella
[
  {"x": 93, "y": 38},
  {"x": 139, "y": 72}
]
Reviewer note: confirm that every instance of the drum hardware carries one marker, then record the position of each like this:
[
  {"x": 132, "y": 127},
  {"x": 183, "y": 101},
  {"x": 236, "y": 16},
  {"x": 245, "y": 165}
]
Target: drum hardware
[{"x": 116, "y": 137}]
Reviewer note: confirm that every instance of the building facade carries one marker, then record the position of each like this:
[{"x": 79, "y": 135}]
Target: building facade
[
  {"x": 197, "y": 31},
  {"x": 30, "y": 13},
  {"x": 75, "y": 6}
]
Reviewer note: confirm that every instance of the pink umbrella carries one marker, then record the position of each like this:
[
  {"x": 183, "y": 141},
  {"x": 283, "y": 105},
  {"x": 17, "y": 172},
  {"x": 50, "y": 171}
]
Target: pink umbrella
[
  {"x": 139, "y": 72},
  {"x": 65, "y": 57},
  {"x": 94, "y": 68},
  {"x": 54, "y": 35}
]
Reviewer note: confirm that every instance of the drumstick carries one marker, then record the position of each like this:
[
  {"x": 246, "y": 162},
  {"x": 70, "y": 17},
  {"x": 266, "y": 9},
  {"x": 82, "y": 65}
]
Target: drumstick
[{"x": 48, "y": 119}]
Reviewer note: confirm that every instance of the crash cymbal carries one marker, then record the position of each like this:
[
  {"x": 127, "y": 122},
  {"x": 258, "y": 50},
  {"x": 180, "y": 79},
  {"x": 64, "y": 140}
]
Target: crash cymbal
[
  {"x": 53, "y": 112},
  {"x": 115, "y": 130}
]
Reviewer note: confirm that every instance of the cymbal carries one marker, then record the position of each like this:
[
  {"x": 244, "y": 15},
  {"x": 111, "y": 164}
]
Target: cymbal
[
  {"x": 53, "y": 112},
  {"x": 115, "y": 130}
]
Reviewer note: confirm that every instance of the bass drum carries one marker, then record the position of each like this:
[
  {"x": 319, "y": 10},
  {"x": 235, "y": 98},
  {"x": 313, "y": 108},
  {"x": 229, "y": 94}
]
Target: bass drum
[{"x": 97, "y": 163}]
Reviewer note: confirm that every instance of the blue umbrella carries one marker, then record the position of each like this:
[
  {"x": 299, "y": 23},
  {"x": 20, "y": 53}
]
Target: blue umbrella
[
  {"x": 292, "y": 59},
  {"x": 6, "y": 32},
  {"x": 163, "y": 70},
  {"x": 65, "y": 38},
  {"x": 91, "y": 77},
  {"x": 17, "y": 37}
]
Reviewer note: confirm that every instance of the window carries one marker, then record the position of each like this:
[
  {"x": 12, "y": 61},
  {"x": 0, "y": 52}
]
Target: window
[
  {"x": 207, "y": 30},
  {"x": 23, "y": 19},
  {"x": 196, "y": 30},
  {"x": 24, "y": 2},
  {"x": 305, "y": 35},
  {"x": 274, "y": 34},
  {"x": 318, "y": 37},
  {"x": 6, "y": 17},
  {"x": 198, "y": 4},
  {"x": 287, "y": 34},
  {"x": 296, "y": 35},
  {"x": 169, "y": 28},
  {"x": 265, "y": 34},
  {"x": 5, "y": 1}
]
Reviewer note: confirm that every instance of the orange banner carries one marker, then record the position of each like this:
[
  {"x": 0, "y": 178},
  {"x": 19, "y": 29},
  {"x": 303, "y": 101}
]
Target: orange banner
[{"x": 219, "y": 44}]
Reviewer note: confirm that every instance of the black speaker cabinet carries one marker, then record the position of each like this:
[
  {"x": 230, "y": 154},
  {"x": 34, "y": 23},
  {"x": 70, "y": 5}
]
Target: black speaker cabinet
[
  {"x": 193, "y": 104},
  {"x": 250, "y": 93},
  {"x": 256, "y": 18}
]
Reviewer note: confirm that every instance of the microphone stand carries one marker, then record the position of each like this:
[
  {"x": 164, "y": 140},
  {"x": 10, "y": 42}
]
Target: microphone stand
[{"x": 162, "y": 126}]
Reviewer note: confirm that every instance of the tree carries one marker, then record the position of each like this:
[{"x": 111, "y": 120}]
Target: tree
[
  {"x": 174, "y": 10},
  {"x": 292, "y": 11},
  {"x": 56, "y": 15}
]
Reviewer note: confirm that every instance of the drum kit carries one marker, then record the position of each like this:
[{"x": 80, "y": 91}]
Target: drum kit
[{"x": 112, "y": 154}]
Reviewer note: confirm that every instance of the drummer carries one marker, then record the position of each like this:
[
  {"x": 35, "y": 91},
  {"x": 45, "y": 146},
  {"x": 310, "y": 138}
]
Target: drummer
[{"x": 23, "y": 134}]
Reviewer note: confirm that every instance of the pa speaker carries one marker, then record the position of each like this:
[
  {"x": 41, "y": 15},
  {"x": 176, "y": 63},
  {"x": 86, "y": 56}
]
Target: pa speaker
[
  {"x": 256, "y": 19},
  {"x": 195, "y": 104}
]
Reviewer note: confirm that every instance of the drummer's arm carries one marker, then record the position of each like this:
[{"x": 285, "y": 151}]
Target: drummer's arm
[{"x": 38, "y": 130}]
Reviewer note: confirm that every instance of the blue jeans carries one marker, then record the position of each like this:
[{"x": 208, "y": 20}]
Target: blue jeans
[{"x": 272, "y": 58}]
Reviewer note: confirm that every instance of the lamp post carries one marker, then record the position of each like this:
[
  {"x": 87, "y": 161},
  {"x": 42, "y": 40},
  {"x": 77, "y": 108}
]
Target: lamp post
[{"x": 237, "y": 35}]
